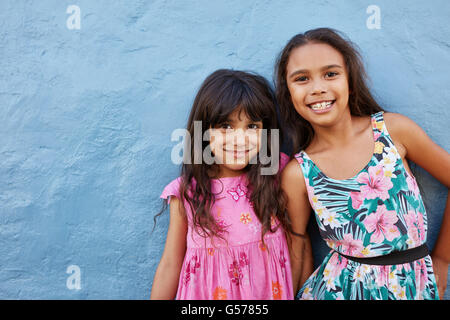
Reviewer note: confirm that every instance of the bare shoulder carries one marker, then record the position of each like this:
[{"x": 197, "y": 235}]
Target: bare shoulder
[
  {"x": 418, "y": 146},
  {"x": 403, "y": 131},
  {"x": 292, "y": 170},
  {"x": 292, "y": 176},
  {"x": 398, "y": 123}
]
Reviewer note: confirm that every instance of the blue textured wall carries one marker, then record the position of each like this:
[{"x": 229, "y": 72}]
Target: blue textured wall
[{"x": 86, "y": 117}]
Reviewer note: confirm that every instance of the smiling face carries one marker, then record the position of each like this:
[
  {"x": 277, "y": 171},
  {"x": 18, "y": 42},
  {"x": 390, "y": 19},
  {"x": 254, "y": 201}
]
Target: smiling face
[
  {"x": 235, "y": 142},
  {"x": 317, "y": 80}
]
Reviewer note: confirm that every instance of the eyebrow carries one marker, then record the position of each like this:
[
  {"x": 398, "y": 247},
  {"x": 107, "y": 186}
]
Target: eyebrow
[
  {"x": 330, "y": 66},
  {"x": 248, "y": 121}
]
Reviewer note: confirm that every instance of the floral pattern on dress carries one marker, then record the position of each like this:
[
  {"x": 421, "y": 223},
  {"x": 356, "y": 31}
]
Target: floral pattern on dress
[
  {"x": 190, "y": 269},
  {"x": 276, "y": 290},
  {"x": 220, "y": 293},
  {"x": 378, "y": 211},
  {"x": 235, "y": 269},
  {"x": 237, "y": 264},
  {"x": 238, "y": 192},
  {"x": 245, "y": 218}
]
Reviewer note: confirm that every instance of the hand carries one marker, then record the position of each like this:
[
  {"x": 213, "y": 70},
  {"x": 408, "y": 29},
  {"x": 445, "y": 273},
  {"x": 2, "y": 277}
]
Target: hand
[{"x": 440, "y": 268}]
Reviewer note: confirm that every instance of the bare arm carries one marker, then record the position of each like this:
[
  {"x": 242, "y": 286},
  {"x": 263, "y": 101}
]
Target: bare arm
[
  {"x": 299, "y": 211},
  {"x": 419, "y": 148},
  {"x": 165, "y": 282},
  {"x": 308, "y": 262}
]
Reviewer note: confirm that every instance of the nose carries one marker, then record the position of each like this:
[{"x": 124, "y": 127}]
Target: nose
[
  {"x": 318, "y": 87},
  {"x": 238, "y": 139}
]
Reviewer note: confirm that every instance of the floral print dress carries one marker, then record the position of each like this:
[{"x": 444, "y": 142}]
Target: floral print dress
[
  {"x": 241, "y": 266},
  {"x": 378, "y": 211}
]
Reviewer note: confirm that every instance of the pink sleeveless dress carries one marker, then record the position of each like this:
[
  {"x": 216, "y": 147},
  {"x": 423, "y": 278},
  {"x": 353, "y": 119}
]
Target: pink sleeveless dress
[{"x": 239, "y": 267}]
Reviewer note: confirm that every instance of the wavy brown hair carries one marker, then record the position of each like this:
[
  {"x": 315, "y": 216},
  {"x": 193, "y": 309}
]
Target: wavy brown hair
[
  {"x": 361, "y": 102},
  {"x": 222, "y": 93}
]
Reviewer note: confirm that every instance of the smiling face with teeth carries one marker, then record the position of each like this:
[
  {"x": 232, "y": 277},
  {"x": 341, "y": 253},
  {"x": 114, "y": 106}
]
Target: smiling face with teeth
[
  {"x": 317, "y": 80},
  {"x": 235, "y": 142}
]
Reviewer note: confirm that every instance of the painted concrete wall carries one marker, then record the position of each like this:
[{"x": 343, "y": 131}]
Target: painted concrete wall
[{"x": 88, "y": 108}]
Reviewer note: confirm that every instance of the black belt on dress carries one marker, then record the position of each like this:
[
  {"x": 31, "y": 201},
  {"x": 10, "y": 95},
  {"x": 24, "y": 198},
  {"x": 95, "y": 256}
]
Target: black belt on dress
[{"x": 395, "y": 257}]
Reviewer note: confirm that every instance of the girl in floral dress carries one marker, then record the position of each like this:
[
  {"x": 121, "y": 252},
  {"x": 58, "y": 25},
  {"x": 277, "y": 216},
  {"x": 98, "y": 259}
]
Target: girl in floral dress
[
  {"x": 226, "y": 237},
  {"x": 352, "y": 171}
]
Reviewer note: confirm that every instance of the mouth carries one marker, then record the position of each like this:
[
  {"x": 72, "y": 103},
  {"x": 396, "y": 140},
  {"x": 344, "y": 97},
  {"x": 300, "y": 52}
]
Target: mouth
[
  {"x": 237, "y": 153},
  {"x": 321, "y": 106}
]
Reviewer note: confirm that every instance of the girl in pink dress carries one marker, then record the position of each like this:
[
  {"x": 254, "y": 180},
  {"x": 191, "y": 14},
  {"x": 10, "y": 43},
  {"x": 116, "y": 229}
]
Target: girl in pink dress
[{"x": 226, "y": 237}]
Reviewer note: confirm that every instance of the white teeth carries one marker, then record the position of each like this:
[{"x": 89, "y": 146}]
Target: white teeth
[{"x": 321, "y": 106}]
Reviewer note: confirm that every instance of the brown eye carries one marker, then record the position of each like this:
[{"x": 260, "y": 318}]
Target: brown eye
[
  {"x": 254, "y": 126},
  {"x": 224, "y": 126},
  {"x": 331, "y": 74},
  {"x": 301, "y": 79}
]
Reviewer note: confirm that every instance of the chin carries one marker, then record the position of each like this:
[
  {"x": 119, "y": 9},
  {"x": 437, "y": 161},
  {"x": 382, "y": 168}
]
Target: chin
[{"x": 238, "y": 166}]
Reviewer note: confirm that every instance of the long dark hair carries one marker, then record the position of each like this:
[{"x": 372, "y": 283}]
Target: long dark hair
[
  {"x": 222, "y": 93},
  {"x": 361, "y": 102}
]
